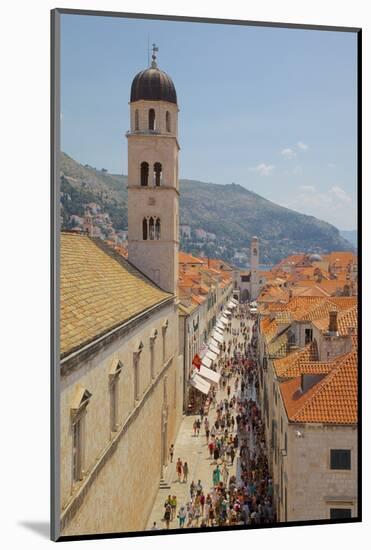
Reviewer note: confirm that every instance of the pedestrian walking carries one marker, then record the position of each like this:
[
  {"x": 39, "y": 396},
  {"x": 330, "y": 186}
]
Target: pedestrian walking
[
  {"x": 182, "y": 514},
  {"x": 194, "y": 428},
  {"x": 167, "y": 515},
  {"x": 171, "y": 452},
  {"x": 179, "y": 469},
  {"x": 198, "y": 427},
  {"x": 185, "y": 472},
  {"x": 216, "y": 476},
  {"x": 173, "y": 504}
]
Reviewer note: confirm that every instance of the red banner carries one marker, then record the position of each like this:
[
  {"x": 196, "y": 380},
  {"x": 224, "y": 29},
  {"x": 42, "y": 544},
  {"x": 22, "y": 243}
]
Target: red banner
[{"x": 197, "y": 361}]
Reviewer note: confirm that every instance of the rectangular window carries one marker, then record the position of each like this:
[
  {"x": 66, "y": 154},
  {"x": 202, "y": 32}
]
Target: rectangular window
[
  {"x": 308, "y": 335},
  {"x": 136, "y": 376},
  {"x": 77, "y": 450},
  {"x": 164, "y": 331},
  {"x": 114, "y": 404},
  {"x": 340, "y": 513},
  {"x": 152, "y": 359},
  {"x": 340, "y": 459}
]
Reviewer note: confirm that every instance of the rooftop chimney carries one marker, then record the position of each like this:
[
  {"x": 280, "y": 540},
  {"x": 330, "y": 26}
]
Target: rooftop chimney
[{"x": 333, "y": 323}]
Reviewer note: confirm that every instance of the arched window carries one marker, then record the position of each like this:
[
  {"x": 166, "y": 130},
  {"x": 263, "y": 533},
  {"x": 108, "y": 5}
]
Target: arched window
[
  {"x": 144, "y": 169},
  {"x": 168, "y": 126},
  {"x": 157, "y": 173},
  {"x": 151, "y": 229},
  {"x": 157, "y": 229},
  {"x": 151, "y": 119},
  {"x": 145, "y": 229},
  {"x": 136, "y": 120}
]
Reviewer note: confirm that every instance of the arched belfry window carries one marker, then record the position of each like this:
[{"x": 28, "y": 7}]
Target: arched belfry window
[
  {"x": 157, "y": 229},
  {"x": 157, "y": 173},
  {"x": 144, "y": 170},
  {"x": 145, "y": 229},
  {"x": 151, "y": 119},
  {"x": 151, "y": 227},
  {"x": 136, "y": 120},
  {"x": 168, "y": 125}
]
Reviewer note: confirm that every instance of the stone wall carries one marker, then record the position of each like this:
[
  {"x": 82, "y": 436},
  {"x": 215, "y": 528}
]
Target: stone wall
[
  {"x": 312, "y": 486},
  {"x": 121, "y": 469}
]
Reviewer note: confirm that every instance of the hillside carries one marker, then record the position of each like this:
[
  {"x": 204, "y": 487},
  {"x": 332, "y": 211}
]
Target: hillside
[
  {"x": 231, "y": 214},
  {"x": 350, "y": 235}
]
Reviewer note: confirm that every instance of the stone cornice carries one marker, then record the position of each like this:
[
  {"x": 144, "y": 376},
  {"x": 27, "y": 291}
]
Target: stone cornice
[{"x": 73, "y": 360}]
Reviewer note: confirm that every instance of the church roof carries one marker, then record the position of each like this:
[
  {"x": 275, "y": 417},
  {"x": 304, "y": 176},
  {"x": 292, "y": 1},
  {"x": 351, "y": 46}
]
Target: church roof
[
  {"x": 99, "y": 291},
  {"x": 153, "y": 84}
]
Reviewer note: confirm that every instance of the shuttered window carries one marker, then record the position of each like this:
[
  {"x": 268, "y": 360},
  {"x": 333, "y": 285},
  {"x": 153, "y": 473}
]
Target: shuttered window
[{"x": 340, "y": 459}]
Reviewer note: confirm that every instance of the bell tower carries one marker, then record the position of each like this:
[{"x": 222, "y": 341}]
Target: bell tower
[
  {"x": 153, "y": 188},
  {"x": 254, "y": 263}
]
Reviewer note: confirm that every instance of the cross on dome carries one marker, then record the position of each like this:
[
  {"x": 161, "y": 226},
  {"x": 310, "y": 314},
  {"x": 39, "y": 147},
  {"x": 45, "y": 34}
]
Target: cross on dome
[{"x": 154, "y": 50}]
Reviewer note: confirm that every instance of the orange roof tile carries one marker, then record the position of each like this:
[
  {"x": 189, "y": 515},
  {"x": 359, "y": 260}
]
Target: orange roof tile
[
  {"x": 185, "y": 258},
  {"x": 289, "y": 366},
  {"x": 332, "y": 400}
]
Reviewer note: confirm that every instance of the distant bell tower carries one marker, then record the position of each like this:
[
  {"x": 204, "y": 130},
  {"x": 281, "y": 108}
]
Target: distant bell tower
[
  {"x": 254, "y": 263},
  {"x": 153, "y": 189}
]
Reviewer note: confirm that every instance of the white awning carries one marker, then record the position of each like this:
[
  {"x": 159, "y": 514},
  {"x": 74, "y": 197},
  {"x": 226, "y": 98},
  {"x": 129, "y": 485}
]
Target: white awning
[
  {"x": 213, "y": 356},
  {"x": 218, "y": 338},
  {"x": 231, "y": 304},
  {"x": 220, "y": 325},
  {"x": 224, "y": 320},
  {"x": 218, "y": 330},
  {"x": 206, "y": 361},
  {"x": 234, "y": 301},
  {"x": 209, "y": 374},
  {"x": 203, "y": 349},
  {"x": 200, "y": 383},
  {"x": 214, "y": 348}
]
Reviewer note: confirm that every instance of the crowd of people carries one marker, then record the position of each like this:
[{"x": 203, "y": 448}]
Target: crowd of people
[{"x": 240, "y": 490}]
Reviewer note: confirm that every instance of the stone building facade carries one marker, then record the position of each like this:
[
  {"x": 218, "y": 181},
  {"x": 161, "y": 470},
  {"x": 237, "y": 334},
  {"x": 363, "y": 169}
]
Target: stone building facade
[{"x": 307, "y": 351}]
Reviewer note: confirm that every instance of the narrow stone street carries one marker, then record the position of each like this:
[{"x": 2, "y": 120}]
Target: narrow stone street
[{"x": 194, "y": 449}]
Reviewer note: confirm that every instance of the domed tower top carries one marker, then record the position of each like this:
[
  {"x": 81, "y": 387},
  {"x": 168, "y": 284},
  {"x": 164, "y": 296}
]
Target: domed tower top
[{"x": 152, "y": 84}]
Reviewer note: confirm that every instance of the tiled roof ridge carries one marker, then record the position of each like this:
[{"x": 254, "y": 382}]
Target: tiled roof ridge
[
  {"x": 125, "y": 262},
  {"x": 296, "y": 355},
  {"x": 321, "y": 386}
]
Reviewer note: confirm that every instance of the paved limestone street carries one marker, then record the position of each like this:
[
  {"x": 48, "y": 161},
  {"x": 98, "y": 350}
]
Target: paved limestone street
[{"x": 244, "y": 495}]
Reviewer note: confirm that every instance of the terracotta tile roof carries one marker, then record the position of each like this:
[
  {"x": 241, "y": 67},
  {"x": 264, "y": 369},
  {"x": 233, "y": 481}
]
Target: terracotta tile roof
[
  {"x": 283, "y": 317},
  {"x": 268, "y": 327},
  {"x": 332, "y": 400},
  {"x": 289, "y": 366},
  {"x": 347, "y": 319},
  {"x": 342, "y": 258},
  {"x": 277, "y": 346},
  {"x": 198, "y": 298},
  {"x": 309, "y": 290},
  {"x": 185, "y": 258},
  {"x": 99, "y": 291}
]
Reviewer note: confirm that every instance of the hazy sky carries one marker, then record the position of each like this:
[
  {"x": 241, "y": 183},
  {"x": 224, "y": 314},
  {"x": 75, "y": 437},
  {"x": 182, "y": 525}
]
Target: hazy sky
[{"x": 271, "y": 109}]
